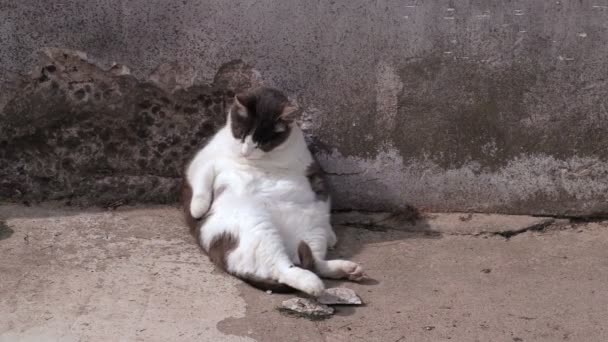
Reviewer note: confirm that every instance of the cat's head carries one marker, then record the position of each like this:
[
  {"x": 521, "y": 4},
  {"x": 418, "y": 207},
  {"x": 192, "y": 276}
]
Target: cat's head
[{"x": 261, "y": 121}]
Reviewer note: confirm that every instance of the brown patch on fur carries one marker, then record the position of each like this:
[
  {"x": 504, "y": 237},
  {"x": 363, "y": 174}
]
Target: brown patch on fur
[
  {"x": 314, "y": 173},
  {"x": 219, "y": 248},
  {"x": 307, "y": 261}
]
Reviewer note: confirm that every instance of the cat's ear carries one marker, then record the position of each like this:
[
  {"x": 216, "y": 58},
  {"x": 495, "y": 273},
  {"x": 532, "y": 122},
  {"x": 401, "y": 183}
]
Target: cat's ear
[
  {"x": 241, "y": 103},
  {"x": 290, "y": 112},
  {"x": 245, "y": 100}
]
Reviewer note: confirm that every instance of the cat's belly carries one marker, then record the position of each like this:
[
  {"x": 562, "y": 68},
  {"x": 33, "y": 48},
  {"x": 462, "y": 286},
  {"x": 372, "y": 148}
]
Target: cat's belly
[
  {"x": 283, "y": 195},
  {"x": 267, "y": 188},
  {"x": 287, "y": 202},
  {"x": 281, "y": 190},
  {"x": 293, "y": 206}
]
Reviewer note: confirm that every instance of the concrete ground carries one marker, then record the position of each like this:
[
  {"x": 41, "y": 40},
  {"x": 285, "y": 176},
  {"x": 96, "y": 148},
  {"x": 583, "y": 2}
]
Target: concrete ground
[{"x": 135, "y": 274}]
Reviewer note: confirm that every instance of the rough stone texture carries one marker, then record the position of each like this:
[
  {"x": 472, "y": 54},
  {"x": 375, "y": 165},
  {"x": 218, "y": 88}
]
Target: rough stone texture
[
  {"x": 308, "y": 308},
  {"x": 339, "y": 295},
  {"x": 136, "y": 274},
  {"x": 467, "y": 105},
  {"x": 93, "y": 136}
]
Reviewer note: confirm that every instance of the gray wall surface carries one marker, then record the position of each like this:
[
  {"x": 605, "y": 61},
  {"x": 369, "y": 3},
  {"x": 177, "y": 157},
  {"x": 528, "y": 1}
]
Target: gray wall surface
[{"x": 491, "y": 106}]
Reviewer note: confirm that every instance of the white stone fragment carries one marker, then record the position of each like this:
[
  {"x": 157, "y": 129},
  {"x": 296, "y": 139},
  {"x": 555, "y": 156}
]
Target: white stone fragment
[{"x": 339, "y": 295}]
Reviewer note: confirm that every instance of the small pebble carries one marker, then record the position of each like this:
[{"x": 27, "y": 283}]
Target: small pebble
[{"x": 269, "y": 291}]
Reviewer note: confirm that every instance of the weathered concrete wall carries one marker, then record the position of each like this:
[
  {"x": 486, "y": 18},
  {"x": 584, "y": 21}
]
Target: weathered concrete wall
[
  {"x": 92, "y": 136},
  {"x": 446, "y": 105}
]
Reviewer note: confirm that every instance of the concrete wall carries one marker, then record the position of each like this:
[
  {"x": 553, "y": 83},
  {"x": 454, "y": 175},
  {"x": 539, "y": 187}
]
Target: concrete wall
[{"x": 496, "y": 106}]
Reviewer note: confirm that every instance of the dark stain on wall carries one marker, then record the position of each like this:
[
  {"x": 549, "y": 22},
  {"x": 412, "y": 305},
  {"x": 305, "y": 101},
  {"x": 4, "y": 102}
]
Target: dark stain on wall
[{"x": 85, "y": 135}]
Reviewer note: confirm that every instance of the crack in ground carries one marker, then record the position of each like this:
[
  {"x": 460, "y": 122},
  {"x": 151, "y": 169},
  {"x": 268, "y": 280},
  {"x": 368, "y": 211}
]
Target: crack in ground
[
  {"x": 376, "y": 227},
  {"x": 581, "y": 219},
  {"x": 539, "y": 227},
  {"x": 507, "y": 233},
  {"x": 414, "y": 224}
]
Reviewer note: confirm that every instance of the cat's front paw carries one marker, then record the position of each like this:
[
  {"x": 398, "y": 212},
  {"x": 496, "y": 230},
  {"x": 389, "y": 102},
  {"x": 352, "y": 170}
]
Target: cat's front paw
[
  {"x": 199, "y": 206},
  {"x": 355, "y": 272},
  {"x": 313, "y": 286}
]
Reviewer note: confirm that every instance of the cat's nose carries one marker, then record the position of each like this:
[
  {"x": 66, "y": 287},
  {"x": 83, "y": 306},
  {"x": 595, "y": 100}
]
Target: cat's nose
[{"x": 247, "y": 149}]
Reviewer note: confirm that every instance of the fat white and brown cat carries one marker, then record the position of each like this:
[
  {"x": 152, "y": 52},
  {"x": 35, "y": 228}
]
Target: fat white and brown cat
[{"x": 257, "y": 203}]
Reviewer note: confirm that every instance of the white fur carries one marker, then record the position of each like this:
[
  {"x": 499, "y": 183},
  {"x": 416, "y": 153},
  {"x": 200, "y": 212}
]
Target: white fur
[{"x": 268, "y": 204}]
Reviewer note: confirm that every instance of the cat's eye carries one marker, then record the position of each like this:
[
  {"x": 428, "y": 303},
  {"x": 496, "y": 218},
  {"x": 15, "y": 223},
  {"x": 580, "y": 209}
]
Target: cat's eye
[
  {"x": 280, "y": 128},
  {"x": 242, "y": 113}
]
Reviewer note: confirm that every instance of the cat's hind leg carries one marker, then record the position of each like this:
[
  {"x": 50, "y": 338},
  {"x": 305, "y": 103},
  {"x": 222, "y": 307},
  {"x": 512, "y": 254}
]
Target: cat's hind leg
[
  {"x": 261, "y": 258},
  {"x": 300, "y": 279},
  {"x": 339, "y": 269},
  {"x": 333, "y": 269}
]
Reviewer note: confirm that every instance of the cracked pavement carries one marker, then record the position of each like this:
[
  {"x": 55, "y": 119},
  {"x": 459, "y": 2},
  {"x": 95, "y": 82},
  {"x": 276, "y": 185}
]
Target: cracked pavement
[{"x": 135, "y": 274}]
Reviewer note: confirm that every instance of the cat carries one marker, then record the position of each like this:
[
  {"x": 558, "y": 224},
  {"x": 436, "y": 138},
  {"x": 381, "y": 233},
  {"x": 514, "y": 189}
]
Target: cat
[{"x": 257, "y": 202}]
